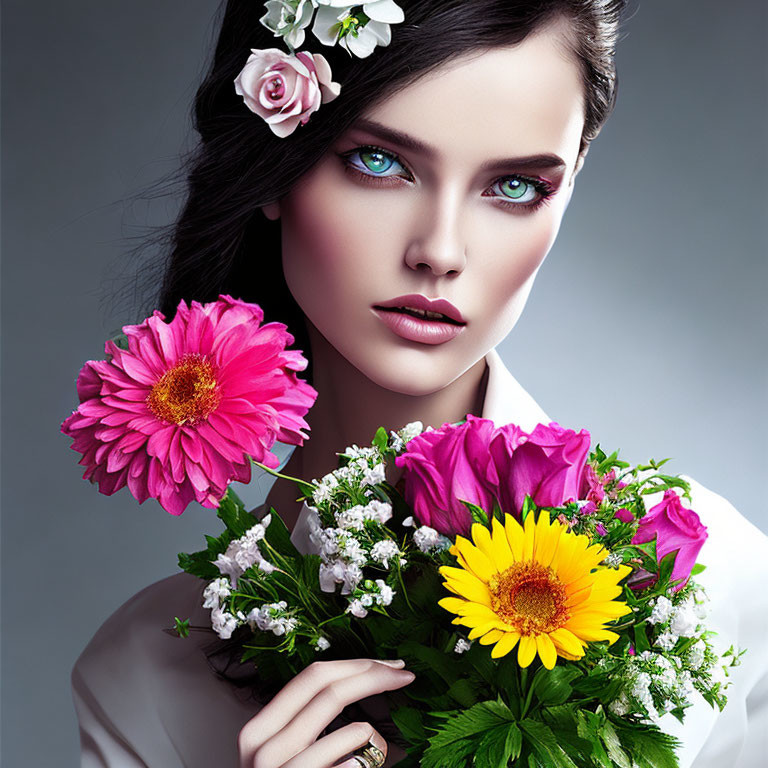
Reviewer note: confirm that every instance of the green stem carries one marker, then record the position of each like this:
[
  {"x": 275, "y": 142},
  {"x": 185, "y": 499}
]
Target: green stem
[
  {"x": 526, "y": 691},
  {"x": 278, "y": 474}
]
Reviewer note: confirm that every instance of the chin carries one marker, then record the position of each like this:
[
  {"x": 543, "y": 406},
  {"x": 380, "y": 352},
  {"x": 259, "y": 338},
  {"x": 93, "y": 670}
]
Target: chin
[{"x": 414, "y": 372}]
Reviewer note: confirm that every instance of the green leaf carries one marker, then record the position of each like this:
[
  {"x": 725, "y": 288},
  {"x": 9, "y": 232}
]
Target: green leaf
[
  {"x": 528, "y": 506},
  {"x": 410, "y": 723},
  {"x": 198, "y": 564},
  {"x": 648, "y": 746},
  {"x": 279, "y": 537},
  {"x": 666, "y": 566},
  {"x": 553, "y": 686},
  {"x": 498, "y": 746},
  {"x": 544, "y": 745},
  {"x": 464, "y": 692},
  {"x": 613, "y": 746},
  {"x": 479, "y": 515},
  {"x": 641, "y": 639},
  {"x": 380, "y": 439},
  {"x": 514, "y": 742},
  {"x": 697, "y": 569},
  {"x": 120, "y": 340},
  {"x": 181, "y": 627},
  {"x": 475, "y": 720},
  {"x": 234, "y": 515},
  {"x": 564, "y": 720}
]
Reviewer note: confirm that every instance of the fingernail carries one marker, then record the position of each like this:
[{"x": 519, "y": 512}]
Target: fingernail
[
  {"x": 397, "y": 663},
  {"x": 378, "y": 741}
]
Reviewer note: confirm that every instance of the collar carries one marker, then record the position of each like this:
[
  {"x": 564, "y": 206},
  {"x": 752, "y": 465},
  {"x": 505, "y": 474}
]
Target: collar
[{"x": 506, "y": 402}]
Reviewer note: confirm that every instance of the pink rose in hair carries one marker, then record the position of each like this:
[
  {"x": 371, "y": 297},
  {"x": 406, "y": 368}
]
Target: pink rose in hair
[
  {"x": 549, "y": 465},
  {"x": 285, "y": 89},
  {"x": 444, "y": 466},
  {"x": 677, "y": 529}
]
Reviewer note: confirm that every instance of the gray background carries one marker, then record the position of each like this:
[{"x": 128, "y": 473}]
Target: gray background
[{"x": 647, "y": 323}]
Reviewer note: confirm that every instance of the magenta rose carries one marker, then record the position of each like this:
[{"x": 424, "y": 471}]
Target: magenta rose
[
  {"x": 443, "y": 467},
  {"x": 285, "y": 89},
  {"x": 549, "y": 465},
  {"x": 677, "y": 529}
]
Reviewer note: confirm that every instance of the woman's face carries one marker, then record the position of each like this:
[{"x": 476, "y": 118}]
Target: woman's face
[{"x": 463, "y": 204}]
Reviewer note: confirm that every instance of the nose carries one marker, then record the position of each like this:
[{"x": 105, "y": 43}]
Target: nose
[{"x": 439, "y": 245}]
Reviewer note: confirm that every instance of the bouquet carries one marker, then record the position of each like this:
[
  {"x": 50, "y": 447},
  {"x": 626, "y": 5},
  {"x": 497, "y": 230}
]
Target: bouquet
[{"x": 543, "y": 591}]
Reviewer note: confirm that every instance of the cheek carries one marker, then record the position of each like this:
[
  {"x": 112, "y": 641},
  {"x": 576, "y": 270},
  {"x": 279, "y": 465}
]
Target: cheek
[
  {"x": 514, "y": 254},
  {"x": 320, "y": 241}
]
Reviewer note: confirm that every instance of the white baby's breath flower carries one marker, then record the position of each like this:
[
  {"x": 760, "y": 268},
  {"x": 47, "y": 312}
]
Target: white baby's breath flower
[
  {"x": 344, "y": 473},
  {"x": 242, "y": 553},
  {"x": 374, "y": 475},
  {"x": 426, "y": 538},
  {"x": 462, "y": 645},
  {"x": 380, "y": 511},
  {"x": 684, "y": 620},
  {"x": 684, "y": 688},
  {"x": 396, "y": 442},
  {"x": 322, "y": 644},
  {"x": 386, "y": 593},
  {"x": 411, "y": 430},
  {"x": 351, "y": 550},
  {"x": 356, "y": 608},
  {"x": 666, "y": 641},
  {"x": 356, "y": 452},
  {"x": 613, "y": 560},
  {"x": 662, "y": 610},
  {"x": 216, "y": 590},
  {"x": 384, "y": 551},
  {"x": 696, "y": 655},
  {"x": 642, "y": 693},
  {"x": 223, "y": 623},
  {"x": 620, "y": 706},
  {"x": 353, "y": 575},
  {"x": 350, "y": 519},
  {"x": 408, "y": 522},
  {"x": 324, "y": 488}
]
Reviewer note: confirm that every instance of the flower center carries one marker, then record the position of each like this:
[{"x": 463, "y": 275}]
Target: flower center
[
  {"x": 186, "y": 393},
  {"x": 276, "y": 88},
  {"x": 530, "y": 597}
]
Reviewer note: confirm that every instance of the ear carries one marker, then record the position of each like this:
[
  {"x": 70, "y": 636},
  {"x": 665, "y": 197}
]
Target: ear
[
  {"x": 579, "y": 162},
  {"x": 271, "y": 211}
]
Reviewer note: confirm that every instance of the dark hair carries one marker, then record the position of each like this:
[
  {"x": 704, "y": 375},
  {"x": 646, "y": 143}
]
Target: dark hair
[{"x": 222, "y": 243}]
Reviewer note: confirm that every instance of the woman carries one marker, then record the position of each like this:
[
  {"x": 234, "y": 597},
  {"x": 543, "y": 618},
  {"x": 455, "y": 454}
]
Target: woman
[{"x": 442, "y": 169}]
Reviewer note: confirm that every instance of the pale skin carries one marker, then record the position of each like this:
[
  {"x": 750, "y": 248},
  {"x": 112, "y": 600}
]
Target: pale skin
[{"x": 433, "y": 223}]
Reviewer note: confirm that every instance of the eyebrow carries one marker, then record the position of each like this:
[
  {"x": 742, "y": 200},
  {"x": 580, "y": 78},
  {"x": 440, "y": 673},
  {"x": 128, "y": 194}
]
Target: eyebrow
[{"x": 545, "y": 160}]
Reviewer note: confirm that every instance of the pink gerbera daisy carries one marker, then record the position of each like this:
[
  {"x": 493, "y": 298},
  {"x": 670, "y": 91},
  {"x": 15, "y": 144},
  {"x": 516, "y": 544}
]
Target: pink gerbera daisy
[{"x": 177, "y": 414}]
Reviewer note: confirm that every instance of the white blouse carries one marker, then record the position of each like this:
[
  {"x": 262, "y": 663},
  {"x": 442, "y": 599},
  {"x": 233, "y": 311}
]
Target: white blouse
[{"x": 145, "y": 698}]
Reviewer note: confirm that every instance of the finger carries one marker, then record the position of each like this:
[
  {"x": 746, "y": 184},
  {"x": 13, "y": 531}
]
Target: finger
[
  {"x": 327, "y": 752},
  {"x": 327, "y": 705},
  {"x": 296, "y": 694}
]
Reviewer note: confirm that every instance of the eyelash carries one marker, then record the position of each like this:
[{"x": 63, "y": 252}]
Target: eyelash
[{"x": 544, "y": 188}]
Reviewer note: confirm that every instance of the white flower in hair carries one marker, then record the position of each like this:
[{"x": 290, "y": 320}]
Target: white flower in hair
[
  {"x": 335, "y": 22},
  {"x": 288, "y": 18}
]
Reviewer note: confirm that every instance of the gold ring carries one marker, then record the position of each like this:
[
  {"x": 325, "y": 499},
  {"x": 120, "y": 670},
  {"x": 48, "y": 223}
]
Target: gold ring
[{"x": 370, "y": 756}]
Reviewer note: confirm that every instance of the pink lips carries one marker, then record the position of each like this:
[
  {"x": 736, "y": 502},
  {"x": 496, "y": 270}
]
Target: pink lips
[{"x": 423, "y": 330}]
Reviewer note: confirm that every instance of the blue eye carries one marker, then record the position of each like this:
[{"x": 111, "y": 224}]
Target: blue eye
[
  {"x": 518, "y": 189},
  {"x": 373, "y": 161}
]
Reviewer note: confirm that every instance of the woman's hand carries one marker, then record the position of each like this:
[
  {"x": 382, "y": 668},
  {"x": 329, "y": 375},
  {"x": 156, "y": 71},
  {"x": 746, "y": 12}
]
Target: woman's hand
[{"x": 284, "y": 733}]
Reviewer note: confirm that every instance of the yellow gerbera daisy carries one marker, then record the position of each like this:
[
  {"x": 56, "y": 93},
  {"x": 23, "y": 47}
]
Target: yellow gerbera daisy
[{"x": 539, "y": 584}]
